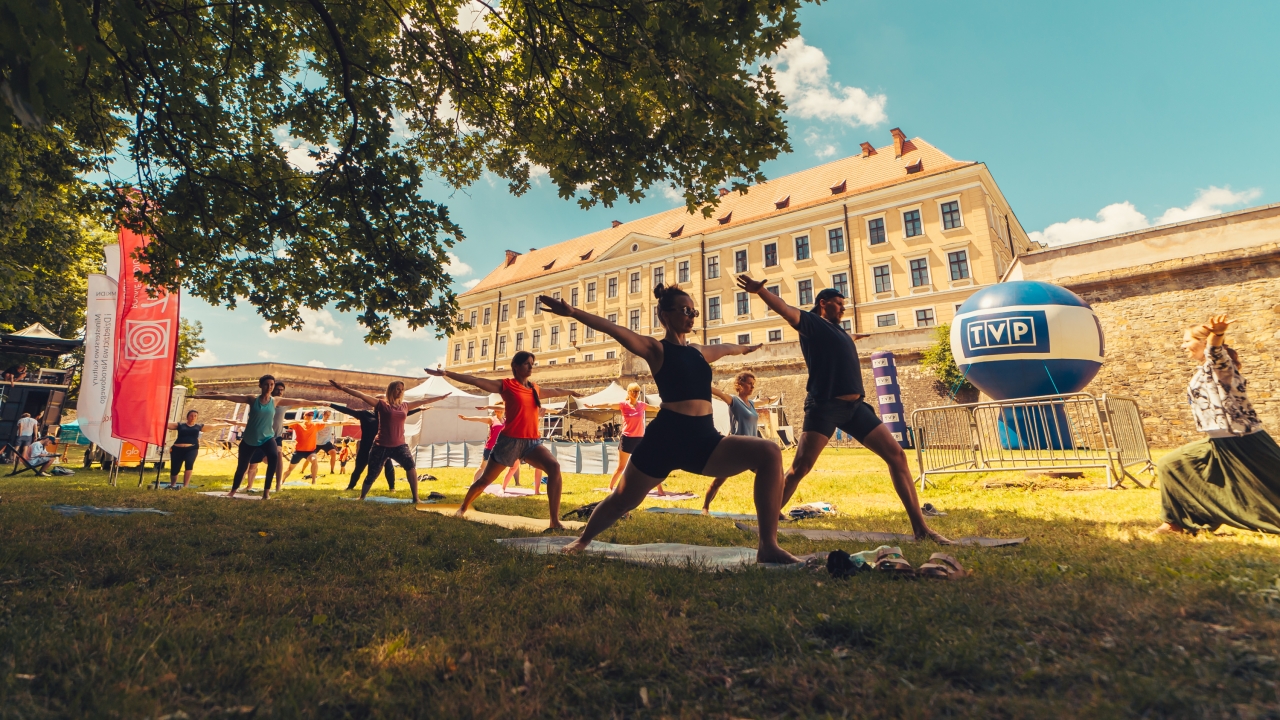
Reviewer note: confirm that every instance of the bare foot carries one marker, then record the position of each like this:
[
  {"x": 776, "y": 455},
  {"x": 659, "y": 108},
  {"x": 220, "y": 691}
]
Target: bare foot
[
  {"x": 934, "y": 535},
  {"x": 555, "y": 525},
  {"x": 575, "y": 547},
  {"x": 775, "y": 554},
  {"x": 460, "y": 513},
  {"x": 1171, "y": 529},
  {"x": 706, "y": 511},
  {"x": 231, "y": 494}
]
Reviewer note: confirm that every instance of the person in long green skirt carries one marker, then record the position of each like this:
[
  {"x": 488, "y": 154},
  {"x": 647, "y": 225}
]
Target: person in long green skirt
[{"x": 1232, "y": 476}]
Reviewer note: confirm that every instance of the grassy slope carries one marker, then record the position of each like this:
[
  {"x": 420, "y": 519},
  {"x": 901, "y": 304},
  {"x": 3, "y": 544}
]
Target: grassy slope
[{"x": 310, "y": 606}]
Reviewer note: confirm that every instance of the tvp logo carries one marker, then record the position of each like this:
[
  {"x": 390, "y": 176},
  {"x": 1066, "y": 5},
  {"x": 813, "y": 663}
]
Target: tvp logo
[{"x": 1005, "y": 333}]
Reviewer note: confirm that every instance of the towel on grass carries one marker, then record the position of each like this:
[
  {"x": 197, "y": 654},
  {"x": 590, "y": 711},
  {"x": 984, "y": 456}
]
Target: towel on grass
[
  {"x": 69, "y": 510},
  {"x": 694, "y": 511},
  {"x": 653, "y": 495},
  {"x": 244, "y": 495},
  {"x": 497, "y": 491},
  {"x": 511, "y": 522},
  {"x": 880, "y": 537},
  {"x": 698, "y": 557}
]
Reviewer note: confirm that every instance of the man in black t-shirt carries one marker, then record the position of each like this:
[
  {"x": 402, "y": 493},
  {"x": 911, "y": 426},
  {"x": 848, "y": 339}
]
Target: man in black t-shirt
[{"x": 836, "y": 398}]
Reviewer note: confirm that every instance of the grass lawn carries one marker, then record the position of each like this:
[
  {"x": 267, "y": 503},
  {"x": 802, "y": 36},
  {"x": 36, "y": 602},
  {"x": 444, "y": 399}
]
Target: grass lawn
[{"x": 307, "y": 606}]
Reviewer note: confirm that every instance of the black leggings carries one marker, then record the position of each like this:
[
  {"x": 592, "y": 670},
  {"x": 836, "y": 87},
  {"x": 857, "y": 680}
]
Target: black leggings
[
  {"x": 382, "y": 456},
  {"x": 245, "y": 458},
  {"x": 362, "y": 461},
  {"x": 179, "y": 456}
]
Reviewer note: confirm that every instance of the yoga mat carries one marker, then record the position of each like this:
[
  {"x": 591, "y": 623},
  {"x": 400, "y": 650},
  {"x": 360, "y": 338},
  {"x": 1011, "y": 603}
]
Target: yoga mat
[
  {"x": 387, "y": 500},
  {"x": 255, "y": 495},
  {"x": 497, "y": 491},
  {"x": 694, "y": 511},
  {"x": 165, "y": 486},
  {"x": 70, "y": 510},
  {"x": 653, "y": 495},
  {"x": 299, "y": 483},
  {"x": 511, "y": 522},
  {"x": 880, "y": 537},
  {"x": 698, "y": 557}
]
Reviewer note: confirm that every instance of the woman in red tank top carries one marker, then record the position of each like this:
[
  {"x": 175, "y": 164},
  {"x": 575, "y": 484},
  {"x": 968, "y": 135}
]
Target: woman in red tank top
[{"x": 521, "y": 438}]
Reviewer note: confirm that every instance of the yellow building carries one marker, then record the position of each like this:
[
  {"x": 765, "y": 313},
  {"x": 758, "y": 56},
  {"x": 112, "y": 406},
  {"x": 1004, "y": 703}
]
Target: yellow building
[{"x": 905, "y": 231}]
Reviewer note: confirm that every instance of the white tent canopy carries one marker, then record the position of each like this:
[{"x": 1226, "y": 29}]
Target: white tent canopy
[
  {"x": 612, "y": 395},
  {"x": 434, "y": 386},
  {"x": 440, "y": 422}
]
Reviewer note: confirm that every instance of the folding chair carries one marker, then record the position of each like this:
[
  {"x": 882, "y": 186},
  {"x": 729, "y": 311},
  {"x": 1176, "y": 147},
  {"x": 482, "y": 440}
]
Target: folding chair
[{"x": 37, "y": 469}]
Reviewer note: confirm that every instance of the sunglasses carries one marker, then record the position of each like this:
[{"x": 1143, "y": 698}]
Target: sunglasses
[{"x": 686, "y": 311}]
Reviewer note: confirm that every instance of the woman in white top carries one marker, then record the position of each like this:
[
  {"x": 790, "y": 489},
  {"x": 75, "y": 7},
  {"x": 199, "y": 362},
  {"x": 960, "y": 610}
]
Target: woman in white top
[{"x": 1232, "y": 476}]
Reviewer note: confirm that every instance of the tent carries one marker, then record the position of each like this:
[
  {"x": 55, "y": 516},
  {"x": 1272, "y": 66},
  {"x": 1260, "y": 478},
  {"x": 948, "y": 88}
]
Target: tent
[
  {"x": 611, "y": 395},
  {"x": 440, "y": 423},
  {"x": 719, "y": 411},
  {"x": 439, "y": 386}
]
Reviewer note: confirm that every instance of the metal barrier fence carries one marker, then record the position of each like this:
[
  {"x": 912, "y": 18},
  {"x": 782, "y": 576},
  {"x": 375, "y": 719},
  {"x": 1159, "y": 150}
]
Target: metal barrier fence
[{"x": 1050, "y": 432}]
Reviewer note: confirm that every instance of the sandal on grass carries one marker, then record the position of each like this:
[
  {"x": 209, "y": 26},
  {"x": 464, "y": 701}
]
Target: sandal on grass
[
  {"x": 890, "y": 560},
  {"x": 943, "y": 567}
]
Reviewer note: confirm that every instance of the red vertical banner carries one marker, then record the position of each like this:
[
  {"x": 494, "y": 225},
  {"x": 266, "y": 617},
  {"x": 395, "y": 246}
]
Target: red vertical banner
[{"x": 146, "y": 349}]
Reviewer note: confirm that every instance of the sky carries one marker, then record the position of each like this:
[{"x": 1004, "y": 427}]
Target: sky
[{"x": 1094, "y": 118}]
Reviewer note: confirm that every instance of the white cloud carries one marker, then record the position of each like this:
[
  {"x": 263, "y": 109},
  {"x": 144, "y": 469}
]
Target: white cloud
[
  {"x": 206, "y": 357},
  {"x": 1123, "y": 217},
  {"x": 317, "y": 327},
  {"x": 315, "y": 363},
  {"x": 802, "y": 78},
  {"x": 471, "y": 283},
  {"x": 346, "y": 366},
  {"x": 822, "y": 146},
  {"x": 672, "y": 194},
  {"x": 267, "y": 355},
  {"x": 456, "y": 267}
]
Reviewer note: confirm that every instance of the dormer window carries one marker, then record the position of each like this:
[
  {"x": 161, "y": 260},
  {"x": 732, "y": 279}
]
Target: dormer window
[
  {"x": 587, "y": 256},
  {"x": 724, "y": 219},
  {"x": 677, "y": 232},
  {"x": 782, "y": 202},
  {"x": 549, "y": 265},
  {"x": 915, "y": 167},
  {"x": 840, "y": 187}
]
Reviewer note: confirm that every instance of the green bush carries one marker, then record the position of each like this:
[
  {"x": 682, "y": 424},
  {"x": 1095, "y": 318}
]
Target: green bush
[{"x": 940, "y": 362}]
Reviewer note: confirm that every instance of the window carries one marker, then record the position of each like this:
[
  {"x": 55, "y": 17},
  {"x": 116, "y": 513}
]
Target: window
[
  {"x": 744, "y": 338},
  {"x": 771, "y": 254},
  {"x": 502, "y": 314},
  {"x": 591, "y": 292},
  {"x": 887, "y": 320},
  {"x": 919, "y": 272},
  {"x": 502, "y": 346},
  {"x": 659, "y": 276},
  {"x": 519, "y": 341},
  {"x": 846, "y": 325},
  {"x": 713, "y": 308},
  {"x": 775, "y": 336},
  {"x": 473, "y": 318},
  {"x": 740, "y": 261},
  {"x": 959, "y": 262},
  {"x": 657, "y": 323},
  {"x": 537, "y": 339},
  {"x": 573, "y": 333},
  {"x": 682, "y": 271},
  {"x": 804, "y": 292},
  {"x": 835, "y": 240},
  {"x": 588, "y": 357},
  {"x": 775, "y": 289},
  {"x": 613, "y": 318},
  {"x": 875, "y": 230},
  {"x": 744, "y": 304},
  {"x": 613, "y": 288},
  {"x": 555, "y": 335},
  {"x": 951, "y": 215},
  {"x": 486, "y": 315},
  {"x": 802, "y": 247},
  {"x": 457, "y": 352},
  {"x": 924, "y": 318},
  {"x": 713, "y": 267},
  {"x": 911, "y": 223},
  {"x": 484, "y": 347},
  {"x": 635, "y": 321},
  {"x": 610, "y": 355},
  {"x": 884, "y": 283},
  {"x": 840, "y": 283},
  {"x": 570, "y": 361},
  {"x": 519, "y": 309},
  {"x": 553, "y": 362},
  {"x": 591, "y": 334},
  {"x": 634, "y": 286},
  {"x": 471, "y": 349},
  {"x": 573, "y": 297},
  {"x": 713, "y": 341}
]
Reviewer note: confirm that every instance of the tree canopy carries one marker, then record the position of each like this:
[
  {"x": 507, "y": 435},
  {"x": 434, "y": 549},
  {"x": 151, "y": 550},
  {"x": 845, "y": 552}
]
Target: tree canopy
[{"x": 276, "y": 149}]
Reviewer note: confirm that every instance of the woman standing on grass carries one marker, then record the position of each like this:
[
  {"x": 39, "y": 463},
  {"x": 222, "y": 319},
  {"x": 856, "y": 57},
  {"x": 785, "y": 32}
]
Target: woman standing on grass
[
  {"x": 1232, "y": 477},
  {"x": 743, "y": 422},
  {"x": 259, "y": 436},
  {"x": 521, "y": 438},
  {"x": 632, "y": 430},
  {"x": 186, "y": 447},
  {"x": 390, "y": 443},
  {"x": 683, "y": 436}
]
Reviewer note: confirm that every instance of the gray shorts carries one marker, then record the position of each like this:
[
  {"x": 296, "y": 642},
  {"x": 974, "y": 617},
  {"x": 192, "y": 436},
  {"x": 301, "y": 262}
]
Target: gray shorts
[
  {"x": 25, "y": 440},
  {"x": 508, "y": 449}
]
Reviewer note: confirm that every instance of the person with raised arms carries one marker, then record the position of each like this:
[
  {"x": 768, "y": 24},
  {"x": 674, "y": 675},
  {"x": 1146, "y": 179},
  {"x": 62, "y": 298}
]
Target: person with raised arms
[
  {"x": 390, "y": 443},
  {"x": 632, "y": 410},
  {"x": 521, "y": 436},
  {"x": 683, "y": 435},
  {"x": 186, "y": 447},
  {"x": 368, "y": 420},
  {"x": 259, "y": 436},
  {"x": 743, "y": 420},
  {"x": 836, "y": 398}
]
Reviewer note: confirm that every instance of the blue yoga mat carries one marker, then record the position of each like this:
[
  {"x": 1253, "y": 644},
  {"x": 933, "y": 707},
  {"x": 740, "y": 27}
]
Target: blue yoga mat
[
  {"x": 383, "y": 500},
  {"x": 69, "y": 510},
  {"x": 693, "y": 511}
]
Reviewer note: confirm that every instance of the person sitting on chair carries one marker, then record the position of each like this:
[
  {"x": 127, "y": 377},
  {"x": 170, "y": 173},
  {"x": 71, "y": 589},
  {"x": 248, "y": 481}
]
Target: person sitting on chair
[{"x": 38, "y": 455}]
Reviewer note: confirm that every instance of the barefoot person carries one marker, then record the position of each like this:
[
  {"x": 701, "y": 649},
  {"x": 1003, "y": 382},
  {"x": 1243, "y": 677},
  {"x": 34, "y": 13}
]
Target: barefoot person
[
  {"x": 368, "y": 431},
  {"x": 632, "y": 430},
  {"x": 259, "y": 435},
  {"x": 743, "y": 421},
  {"x": 683, "y": 436},
  {"x": 521, "y": 438},
  {"x": 836, "y": 398},
  {"x": 390, "y": 443},
  {"x": 1232, "y": 476},
  {"x": 186, "y": 447}
]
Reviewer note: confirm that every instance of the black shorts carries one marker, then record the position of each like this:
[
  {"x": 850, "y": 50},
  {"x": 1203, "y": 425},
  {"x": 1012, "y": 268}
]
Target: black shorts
[
  {"x": 300, "y": 456},
  {"x": 629, "y": 444},
  {"x": 487, "y": 453},
  {"x": 855, "y": 417},
  {"x": 400, "y": 454},
  {"x": 327, "y": 448},
  {"x": 259, "y": 455},
  {"x": 676, "y": 442},
  {"x": 179, "y": 456}
]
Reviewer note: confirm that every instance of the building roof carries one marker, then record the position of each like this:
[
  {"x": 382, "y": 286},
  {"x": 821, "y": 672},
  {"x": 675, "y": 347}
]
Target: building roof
[{"x": 807, "y": 188}]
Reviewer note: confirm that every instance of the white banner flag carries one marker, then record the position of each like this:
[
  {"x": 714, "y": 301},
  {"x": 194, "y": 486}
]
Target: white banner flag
[
  {"x": 93, "y": 409},
  {"x": 111, "y": 254}
]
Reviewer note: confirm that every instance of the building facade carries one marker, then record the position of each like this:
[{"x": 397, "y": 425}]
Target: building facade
[{"x": 904, "y": 231}]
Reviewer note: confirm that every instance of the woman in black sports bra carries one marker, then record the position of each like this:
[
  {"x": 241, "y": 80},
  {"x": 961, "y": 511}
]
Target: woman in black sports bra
[{"x": 683, "y": 436}]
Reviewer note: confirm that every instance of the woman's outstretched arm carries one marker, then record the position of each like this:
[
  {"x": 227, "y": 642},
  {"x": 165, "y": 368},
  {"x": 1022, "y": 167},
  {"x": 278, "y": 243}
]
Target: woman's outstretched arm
[
  {"x": 424, "y": 402},
  {"x": 485, "y": 384},
  {"x": 646, "y": 347},
  {"x": 722, "y": 394},
  {"x": 371, "y": 400},
  {"x": 714, "y": 352},
  {"x": 547, "y": 391}
]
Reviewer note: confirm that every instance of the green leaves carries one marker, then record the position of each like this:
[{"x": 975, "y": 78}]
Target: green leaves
[{"x": 220, "y": 103}]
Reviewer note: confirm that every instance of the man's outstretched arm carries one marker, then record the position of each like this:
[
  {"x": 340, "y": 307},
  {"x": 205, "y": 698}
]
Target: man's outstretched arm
[{"x": 775, "y": 303}]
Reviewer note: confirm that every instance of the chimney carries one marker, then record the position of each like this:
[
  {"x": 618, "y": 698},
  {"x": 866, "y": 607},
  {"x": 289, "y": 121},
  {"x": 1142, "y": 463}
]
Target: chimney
[
  {"x": 724, "y": 191},
  {"x": 867, "y": 150},
  {"x": 616, "y": 223},
  {"x": 899, "y": 139},
  {"x": 511, "y": 257}
]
